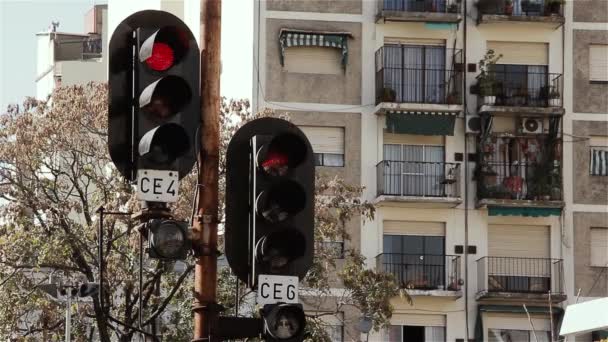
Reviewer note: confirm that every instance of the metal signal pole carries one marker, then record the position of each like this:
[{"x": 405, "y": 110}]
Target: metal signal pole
[{"x": 205, "y": 223}]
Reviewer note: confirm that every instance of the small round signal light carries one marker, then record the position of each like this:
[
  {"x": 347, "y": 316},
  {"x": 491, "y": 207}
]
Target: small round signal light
[{"x": 162, "y": 57}]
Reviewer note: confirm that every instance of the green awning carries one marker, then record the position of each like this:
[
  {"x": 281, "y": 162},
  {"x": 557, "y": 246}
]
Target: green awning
[
  {"x": 519, "y": 309},
  {"x": 291, "y": 37},
  {"x": 421, "y": 123},
  {"x": 524, "y": 211}
]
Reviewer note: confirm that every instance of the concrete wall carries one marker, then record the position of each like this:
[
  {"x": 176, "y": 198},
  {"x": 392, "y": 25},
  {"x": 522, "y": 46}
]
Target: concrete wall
[
  {"x": 81, "y": 72},
  {"x": 588, "y": 97},
  {"x": 590, "y": 11},
  {"x": 296, "y": 87},
  {"x": 587, "y": 189},
  {"x": 591, "y": 280},
  {"x": 321, "y": 6}
]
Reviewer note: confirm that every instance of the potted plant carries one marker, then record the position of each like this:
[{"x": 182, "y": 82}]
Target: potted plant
[
  {"x": 388, "y": 94},
  {"x": 553, "y": 7},
  {"x": 486, "y": 80},
  {"x": 453, "y": 97},
  {"x": 508, "y": 7},
  {"x": 453, "y": 8},
  {"x": 554, "y": 97}
]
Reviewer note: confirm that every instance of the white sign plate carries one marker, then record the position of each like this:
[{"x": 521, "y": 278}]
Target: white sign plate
[
  {"x": 157, "y": 185},
  {"x": 274, "y": 289}
]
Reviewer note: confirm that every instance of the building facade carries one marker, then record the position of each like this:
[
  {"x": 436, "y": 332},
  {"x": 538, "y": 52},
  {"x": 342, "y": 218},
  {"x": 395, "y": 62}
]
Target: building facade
[
  {"x": 488, "y": 170},
  {"x": 72, "y": 58}
]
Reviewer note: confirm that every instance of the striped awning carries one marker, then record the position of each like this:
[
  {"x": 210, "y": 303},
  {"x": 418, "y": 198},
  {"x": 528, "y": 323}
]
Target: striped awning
[
  {"x": 421, "y": 123},
  {"x": 598, "y": 165},
  {"x": 337, "y": 40}
]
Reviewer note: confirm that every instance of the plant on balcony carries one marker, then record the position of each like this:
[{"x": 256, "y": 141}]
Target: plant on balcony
[
  {"x": 530, "y": 6},
  {"x": 520, "y": 97},
  {"x": 553, "y": 7},
  {"x": 554, "y": 97},
  {"x": 388, "y": 94},
  {"x": 453, "y": 8},
  {"x": 486, "y": 80},
  {"x": 508, "y": 7},
  {"x": 453, "y": 97}
]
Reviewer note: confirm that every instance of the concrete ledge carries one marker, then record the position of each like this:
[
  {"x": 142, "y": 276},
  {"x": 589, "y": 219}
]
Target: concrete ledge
[
  {"x": 518, "y": 110},
  {"x": 431, "y": 17},
  {"x": 520, "y": 296},
  {"x": 417, "y": 201},
  {"x": 384, "y": 107},
  {"x": 553, "y": 20},
  {"x": 434, "y": 293},
  {"x": 484, "y": 203}
]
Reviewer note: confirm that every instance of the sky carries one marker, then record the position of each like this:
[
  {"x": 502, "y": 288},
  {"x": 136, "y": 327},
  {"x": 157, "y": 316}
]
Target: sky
[{"x": 20, "y": 20}]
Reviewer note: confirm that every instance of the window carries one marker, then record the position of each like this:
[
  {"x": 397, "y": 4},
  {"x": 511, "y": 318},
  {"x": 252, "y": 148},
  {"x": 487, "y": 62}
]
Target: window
[
  {"x": 598, "y": 63},
  {"x": 313, "y": 60},
  {"x": 519, "y": 85},
  {"x": 509, "y": 335},
  {"x": 334, "y": 326},
  {"x": 410, "y": 333},
  {"x": 327, "y": 144},
  {"x": 599, "y": 246},
  {"x": 417, "y": 262},
  {"x": 598, "y": 162},
  {"x": 414, "y": 170}
]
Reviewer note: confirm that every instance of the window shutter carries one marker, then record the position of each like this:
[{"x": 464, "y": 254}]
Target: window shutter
[
  {"x": 418, "y": 320},
  {"x": 325, "y": 139},
  {"x": 313, "y": 60},
  {"x": 598, "y": 63},
  {"x": 519, "y": 241},
  {"x": 414, "y": 228},
  {"x": 598, "y": 162},
  {"x": 523, "y": 53},
  {"x": 599, "y": 247}
]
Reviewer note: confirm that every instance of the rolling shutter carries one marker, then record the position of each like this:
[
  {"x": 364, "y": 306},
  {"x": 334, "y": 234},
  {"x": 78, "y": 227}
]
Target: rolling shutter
[
  {"x": 325, "y": 139},
  {"x": 519, "y": 241},
  {"x": 598, "y": 63},
  {"x": 599, "y": 247},
  {"x": 313, "y": 60},
  {"x": 521, "y": 52},
  {"x": 414, "y": 228},
  {"x": 418, "y": 320}
]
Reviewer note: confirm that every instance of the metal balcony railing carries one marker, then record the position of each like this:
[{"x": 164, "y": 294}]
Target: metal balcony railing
[
  {"x": 422, "y": 271},
  {"x": 91, "y": 48},
  {"x": 526, "y": 89},
  {"x": 520, "y": 275},
  {"x": 521, "y": 8},
  {"x": 431, "y": 6},
  {"x": 422, "y": 179},
  {"x": 511, "y": 169},
  {"x": 418, "y": 75}
]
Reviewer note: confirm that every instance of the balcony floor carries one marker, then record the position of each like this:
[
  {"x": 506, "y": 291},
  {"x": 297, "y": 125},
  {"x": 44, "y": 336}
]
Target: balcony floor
[
  {"x": 385, "y": 107},
  {"x": 434, "y": 293},
  {"x": 517, "y": 110},
  {"x": 432, "y": 17},
  {"x": 520, "y": 296},
  {"x": 417, "y": 201},
  {"x": 553, "y": 21}
]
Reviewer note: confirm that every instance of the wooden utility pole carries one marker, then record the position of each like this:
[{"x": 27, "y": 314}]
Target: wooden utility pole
[{"x": 205, "y": 224}]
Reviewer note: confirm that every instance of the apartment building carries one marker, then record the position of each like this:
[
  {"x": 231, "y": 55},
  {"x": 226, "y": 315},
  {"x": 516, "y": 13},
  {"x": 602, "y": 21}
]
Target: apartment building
[
  {"x": 72, "y": 58},
  {"x": 489, "y": 179}
]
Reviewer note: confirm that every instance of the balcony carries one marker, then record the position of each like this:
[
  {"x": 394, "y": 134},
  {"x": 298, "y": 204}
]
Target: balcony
[
  {"x": 424, "y": 274},
  {"x": 435, "y": 11},
  {"x": 418, "y": 184},
  {"x": 522, "y": 92},
  {"x": 529, "y": 279},
  {"x": 547, "y": 12},
  {"x": 420, "y": 80},
  {"x": 520, "y": 172}
]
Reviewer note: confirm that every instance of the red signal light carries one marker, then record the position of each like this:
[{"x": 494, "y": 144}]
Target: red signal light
[
  {"x": 162, "y": 57},
  {"x": 276, "y": 163}
]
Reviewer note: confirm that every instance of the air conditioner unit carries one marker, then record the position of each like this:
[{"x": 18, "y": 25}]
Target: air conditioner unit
[
  {"x": 531, "y": 126},
  {"x": 473, "y": 125}
]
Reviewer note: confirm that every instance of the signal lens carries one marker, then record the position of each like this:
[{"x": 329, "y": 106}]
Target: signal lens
[
  {"x": 162, "y": 57},
  {"x": 276, "y": 163}
]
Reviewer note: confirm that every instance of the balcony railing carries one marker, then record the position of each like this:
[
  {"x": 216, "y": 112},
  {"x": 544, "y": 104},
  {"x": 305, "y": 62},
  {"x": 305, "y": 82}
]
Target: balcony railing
[
  {"x": 91, "y": 48},
  {"x": 521, "y": 8},
  {"x": 526, "y": 89},
  {"x": 420, "y": 179},
  {"x": 422, "y": 271},
  {"x": 516, "y": 168},
  {"x": 408, "y": 75},
  {"x": 520, "y": 275},
  {"x": 432, "y": 6}
]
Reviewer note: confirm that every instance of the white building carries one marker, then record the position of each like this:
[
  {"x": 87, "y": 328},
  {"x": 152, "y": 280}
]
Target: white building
[
  {"x": 484, "y": 203},
  {"x": 72, "y": 58}
]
